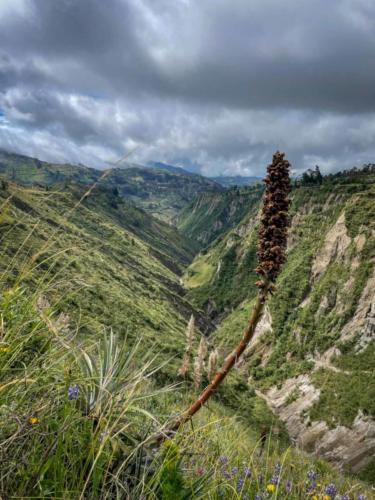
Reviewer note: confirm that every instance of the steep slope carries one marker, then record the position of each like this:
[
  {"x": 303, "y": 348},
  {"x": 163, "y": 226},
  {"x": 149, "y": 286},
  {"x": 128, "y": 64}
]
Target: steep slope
[
  {"x": 106, "y": 265},
  {"x": 103, "y": 262},
  {"x": 213, "y": 214},
  {"x": 160, "y": 192},
  {"x": 313, "y": 354}
]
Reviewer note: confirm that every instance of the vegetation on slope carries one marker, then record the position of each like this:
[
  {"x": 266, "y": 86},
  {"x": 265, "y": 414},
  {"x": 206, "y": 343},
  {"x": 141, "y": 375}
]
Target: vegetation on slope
[
  {"x": 114, "y": 266},
  {"x": 77, "y": 418},
  {"x": 78, "y": 412},
  {"x": 211, "y": 215},
  {"x": 308, "y": 310},
  {"x": 160, "y": 192}
]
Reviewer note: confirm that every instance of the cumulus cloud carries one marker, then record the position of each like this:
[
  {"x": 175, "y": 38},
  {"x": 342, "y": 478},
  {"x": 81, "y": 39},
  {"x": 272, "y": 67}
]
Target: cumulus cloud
[{"x": 214, "y": 86}]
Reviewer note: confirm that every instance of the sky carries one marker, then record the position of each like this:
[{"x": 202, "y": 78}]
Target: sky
[{"x": 215, "y": 86}]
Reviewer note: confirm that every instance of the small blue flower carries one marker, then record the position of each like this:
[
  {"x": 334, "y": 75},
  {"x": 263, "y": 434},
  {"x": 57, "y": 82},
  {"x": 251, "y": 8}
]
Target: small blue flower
[
  {"x": 311, "y": 475},
  {"x": 330, "y": 490},
  {"x": 361, "y": 497},
  {"x": 258, "y": 496},
  {"x": 226, "y": 474},
  {"x": 223, "y": 459},
  {"x": 239, "y": 485},
  {"x": 345, "y": 497},
  {"x": 288, "y": 485},
  {"x": 73, "y": 392}
]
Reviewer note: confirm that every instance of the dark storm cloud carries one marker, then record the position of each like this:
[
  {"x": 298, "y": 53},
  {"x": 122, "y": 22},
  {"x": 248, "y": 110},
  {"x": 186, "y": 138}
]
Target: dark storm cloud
[{"x": 216, "y": 84}]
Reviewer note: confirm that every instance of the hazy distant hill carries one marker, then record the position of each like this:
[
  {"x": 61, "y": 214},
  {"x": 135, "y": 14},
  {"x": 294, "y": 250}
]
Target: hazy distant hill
[
  {"x": 161, "y": 192},
  {"x": 169, "y": 168},
  {"x": 236, "y": 180}
]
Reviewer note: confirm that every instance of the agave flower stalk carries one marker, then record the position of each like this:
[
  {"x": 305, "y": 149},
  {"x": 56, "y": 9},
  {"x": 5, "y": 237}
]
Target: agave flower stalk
[{"x": 271, "y": 248}]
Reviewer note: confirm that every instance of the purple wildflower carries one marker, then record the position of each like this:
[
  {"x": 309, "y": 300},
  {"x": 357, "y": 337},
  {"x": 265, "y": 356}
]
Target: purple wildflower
[
  {"x": 274, "y": 479},
  {"x": 239, "y": 485},
  {"x": 73, "y": 392},
  {"x": 311, "y": 486},
  {"x": 234, "y": 471},
  {"x": 277, "y": 469},
  {"x": 311, "y": 475},
  {"x": 258, "y": 496},
  {"x": 288, "y": 485},
  {"x": 361, "y": 497},
  {"x": 226, "y": 474},
  {"x": 247, "y": 472},
  {"x": 223, "y": 459},
  {"x": 345, "y": 497},
  {"x": 330, "y": 490}
]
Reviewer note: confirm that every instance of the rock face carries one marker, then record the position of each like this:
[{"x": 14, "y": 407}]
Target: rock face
[
  {"x": 345, "y": 447},
  {"x": 334, "y": 247},
  {"x": 363, "y": 321}
]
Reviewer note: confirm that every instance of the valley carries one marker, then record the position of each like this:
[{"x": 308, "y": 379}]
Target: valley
[{"x": 143, "y": 250}]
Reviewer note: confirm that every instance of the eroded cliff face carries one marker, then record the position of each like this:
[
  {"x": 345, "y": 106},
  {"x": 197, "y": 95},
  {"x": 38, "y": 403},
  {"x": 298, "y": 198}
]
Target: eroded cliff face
[
  {"x": 349, "y": 447},
  {"x": 312, "y": 358}
]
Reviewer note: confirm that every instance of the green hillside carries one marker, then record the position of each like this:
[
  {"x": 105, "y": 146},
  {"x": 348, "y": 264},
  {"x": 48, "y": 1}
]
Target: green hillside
[
  {"x": 115, "y": 265},
  {"x": 313, "y": 355},
  {"x": 160, "y": 192},
  {"x": 213, "y": 214}
]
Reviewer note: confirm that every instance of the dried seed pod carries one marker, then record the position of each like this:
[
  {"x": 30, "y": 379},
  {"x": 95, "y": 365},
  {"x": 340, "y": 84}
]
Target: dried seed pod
[{"x": 272, "y": 238}]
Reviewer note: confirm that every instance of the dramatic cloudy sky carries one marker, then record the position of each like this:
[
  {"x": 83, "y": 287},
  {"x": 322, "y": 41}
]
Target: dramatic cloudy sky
[{"x": 212, "y": 85}]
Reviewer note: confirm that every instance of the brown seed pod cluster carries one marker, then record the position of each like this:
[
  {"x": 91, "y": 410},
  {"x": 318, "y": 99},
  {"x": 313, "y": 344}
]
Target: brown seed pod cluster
[{"x": 272, "y": 238}]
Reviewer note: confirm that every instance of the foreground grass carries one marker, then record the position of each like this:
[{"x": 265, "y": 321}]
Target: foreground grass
[{"x": 78, "y": 421}]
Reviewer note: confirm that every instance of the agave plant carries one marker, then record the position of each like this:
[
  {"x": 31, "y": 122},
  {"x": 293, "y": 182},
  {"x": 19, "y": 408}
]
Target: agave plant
[{"x": 108, "y": 374}]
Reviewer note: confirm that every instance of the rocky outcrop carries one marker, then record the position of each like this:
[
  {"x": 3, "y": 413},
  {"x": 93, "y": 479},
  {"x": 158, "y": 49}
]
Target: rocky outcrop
[
  {"x": 335, "y": 244},
  {"x": 363, "y": 322},
  {"x": 345, "y": 447}
]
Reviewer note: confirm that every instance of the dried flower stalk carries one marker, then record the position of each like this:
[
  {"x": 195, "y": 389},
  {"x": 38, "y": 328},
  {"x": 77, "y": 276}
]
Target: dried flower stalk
[
  {"x": 199, "y": 362},
  {"x": 271, "y": 249},
  {"x": 212, "y": 363},
  {"x": 184, "y": 369}
]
